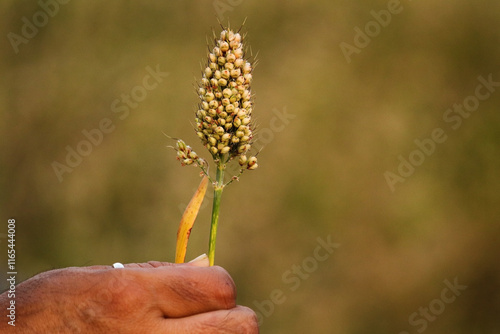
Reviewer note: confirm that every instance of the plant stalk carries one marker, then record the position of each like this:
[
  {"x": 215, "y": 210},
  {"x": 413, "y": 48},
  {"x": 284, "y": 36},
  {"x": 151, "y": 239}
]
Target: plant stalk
[{"x": 218, "y": 187}]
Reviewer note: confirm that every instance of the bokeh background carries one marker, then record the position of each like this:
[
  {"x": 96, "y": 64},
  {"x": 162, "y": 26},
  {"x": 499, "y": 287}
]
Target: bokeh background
[{"x": 322, "y": 166}]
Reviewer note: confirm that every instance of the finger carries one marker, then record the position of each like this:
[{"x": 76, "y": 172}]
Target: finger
[
  {"x": 149, "y": 264},
  {"x": 200, "y": 261},
  {"x": 184, "y": 290},
  {"x": 238, "y": 320}
]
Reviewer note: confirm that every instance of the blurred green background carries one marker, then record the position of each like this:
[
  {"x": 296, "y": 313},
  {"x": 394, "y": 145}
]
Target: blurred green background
[{"x": 331, "y": 127}]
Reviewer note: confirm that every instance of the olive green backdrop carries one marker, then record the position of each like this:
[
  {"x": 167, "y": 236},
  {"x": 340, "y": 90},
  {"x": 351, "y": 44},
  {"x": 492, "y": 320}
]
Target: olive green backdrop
[{"x": 345, "y": 92}]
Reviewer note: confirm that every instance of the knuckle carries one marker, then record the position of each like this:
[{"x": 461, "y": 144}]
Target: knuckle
[
  {"x": 250, "y": 322},
  {"x": 225, "y": 286}
]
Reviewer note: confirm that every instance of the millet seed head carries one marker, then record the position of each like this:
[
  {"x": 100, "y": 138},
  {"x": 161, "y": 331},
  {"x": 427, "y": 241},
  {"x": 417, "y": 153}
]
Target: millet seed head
[{"x": 223, "y": 121}]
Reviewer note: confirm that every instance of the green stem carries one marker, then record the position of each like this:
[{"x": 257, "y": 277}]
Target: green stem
[{"x": 218, "y": 187}]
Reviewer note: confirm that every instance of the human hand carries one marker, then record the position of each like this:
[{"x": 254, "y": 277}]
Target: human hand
[{"x": 153, "y": 297}]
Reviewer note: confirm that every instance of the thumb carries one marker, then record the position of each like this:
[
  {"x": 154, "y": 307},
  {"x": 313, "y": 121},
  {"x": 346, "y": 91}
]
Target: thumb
[{"x": 200, "y": 261}]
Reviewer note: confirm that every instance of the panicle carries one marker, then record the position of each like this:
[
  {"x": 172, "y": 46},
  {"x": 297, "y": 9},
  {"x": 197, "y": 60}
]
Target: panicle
[{"x": 224, "y": 115}]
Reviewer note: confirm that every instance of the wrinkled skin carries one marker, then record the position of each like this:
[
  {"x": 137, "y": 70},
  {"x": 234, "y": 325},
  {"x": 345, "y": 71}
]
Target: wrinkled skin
[{"x": 153, "y": 297}]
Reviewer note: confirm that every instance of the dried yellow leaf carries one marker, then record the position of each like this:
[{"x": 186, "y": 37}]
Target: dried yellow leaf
[{"x": 187, "y": 221}]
